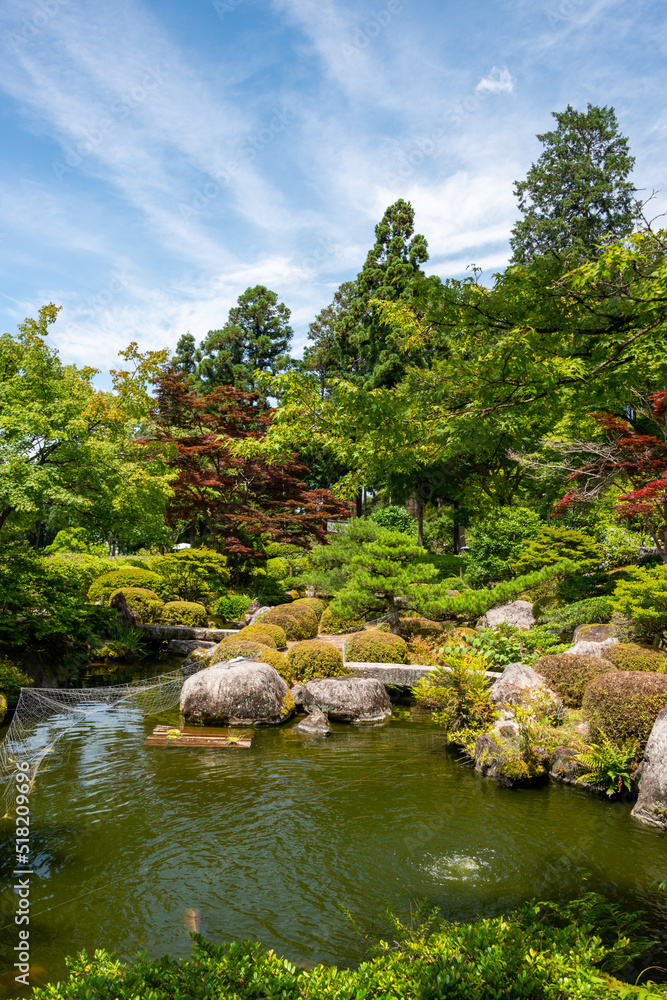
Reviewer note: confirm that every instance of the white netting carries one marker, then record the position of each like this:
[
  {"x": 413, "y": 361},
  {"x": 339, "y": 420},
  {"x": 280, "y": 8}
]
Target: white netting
[{"x": 44, "y": 715}]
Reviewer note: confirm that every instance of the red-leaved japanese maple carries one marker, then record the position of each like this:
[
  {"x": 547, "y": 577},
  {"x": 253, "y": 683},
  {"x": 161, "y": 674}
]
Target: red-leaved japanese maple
[{"x": 238, "y": 499}]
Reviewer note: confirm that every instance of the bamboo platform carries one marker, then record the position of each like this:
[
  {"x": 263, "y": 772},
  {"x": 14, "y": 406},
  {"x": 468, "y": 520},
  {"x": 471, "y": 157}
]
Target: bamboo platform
[{"x": 165, "y": 736}]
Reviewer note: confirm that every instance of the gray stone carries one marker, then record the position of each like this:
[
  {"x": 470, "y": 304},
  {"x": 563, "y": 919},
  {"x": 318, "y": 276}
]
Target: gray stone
[
  {"x": 315, "y": 724},
  {"x": 651, "y": 806},
  {"x": 256, "y": 614},
  {"x": 128, "y": 617},
  {"x": 196, "y": 660},
  {"x": 297, "y": 695},
  {"x": 519, "y": 684},
  {"x": 238, "y": 693},
  {"x": 593, "y": 633},
  {"x": 183, "y": 647},
  {"x": 517, "y": 613},
  {"x": 349, "y": 699},
  {"x": 591, "y": 648}
]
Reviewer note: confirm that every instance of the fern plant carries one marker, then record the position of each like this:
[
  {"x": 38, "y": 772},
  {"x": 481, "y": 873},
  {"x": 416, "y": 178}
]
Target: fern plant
[{"x": 609, "y": 764}]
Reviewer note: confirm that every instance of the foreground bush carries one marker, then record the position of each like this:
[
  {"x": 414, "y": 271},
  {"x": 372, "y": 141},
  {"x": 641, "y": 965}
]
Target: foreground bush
[
  {"x": 372, "y": 646},
  {"x": 185, "y": 613},
  {"x": 105, "y": 585},
  {"x": 145, "y": 602},
  {"x": 296, "y": 623},
  {"x": 630, "y": 656},
  {"x": 624, "y": 705},
  {"x": 255, "y": 633},
  {"x": 569, "y": 675},
  {"x": 543, "y": 952},
  {"x": 314, "y": 659},
  {"x": 314, "y": 604},
  {"x": 276, "y": 633},
  {"x": 232, "y": 647}
]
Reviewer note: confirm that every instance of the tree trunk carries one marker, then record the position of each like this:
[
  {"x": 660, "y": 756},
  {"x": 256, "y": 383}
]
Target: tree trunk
[
  {"x": 359, "y": 505},
  {"x": 420, "y": 522},
  {"x": 459, "y": 531},
  {"x": 394, "y": 620}
]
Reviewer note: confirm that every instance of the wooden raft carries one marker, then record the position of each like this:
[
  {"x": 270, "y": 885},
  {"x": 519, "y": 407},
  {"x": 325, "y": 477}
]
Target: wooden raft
[{"x": 164, "y": 736}]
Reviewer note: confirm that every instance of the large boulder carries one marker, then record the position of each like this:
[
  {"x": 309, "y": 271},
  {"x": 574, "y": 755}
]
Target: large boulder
[
  {"x": 519, "y": 684},
  {"x": 585, "y": 648},
  {"x": 596, "y": 632},
  {"x": 651, "y": 806},
  {"x": 517, "y": 613},
  {"x": 349, "y": 699},
  {"x": 239, "y": 693}
]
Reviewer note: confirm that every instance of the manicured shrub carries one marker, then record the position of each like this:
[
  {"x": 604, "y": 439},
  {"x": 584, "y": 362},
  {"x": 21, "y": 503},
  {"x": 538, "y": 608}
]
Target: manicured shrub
[
  {"x": 395, "y": 519},
  {"x": 145, "y": 602},
  {"x": 551, "y": 545},
  {"x": 624, "y": 705},
  {"x": 252, "y": 651},
  {"x": 119, "y": 579},
  {"x": 254, "y": 633},
  {"x": 317, "y": 606},
  {"x": 231, "y": 607},
  {"x": 630, "y": 656},
  {"x": 372, "y": 646},
  {"x": 643, "y": 600},
  {"x": 331, "y": 623},
  {"x": 297, "y": 622},
  {"x": 314, "y": 659},
  {"x": 569, "y": 675},
  {"x": 421, "y": 627},
  {"x": 193, "y": 574},
  {"x": 185, "y": 613},
  {"x": 563, "y": 621},
  {"x": 266, "y": 629}
]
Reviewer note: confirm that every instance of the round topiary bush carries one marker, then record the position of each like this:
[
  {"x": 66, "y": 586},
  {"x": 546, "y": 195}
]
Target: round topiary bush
[
  {"x": 422, "y": 628},
  {"x": 274, "y": 631},
  {"x": 253, "y": 633},
  {"x": 331, "y": 624},
  {"x": 570, "y": 674},
  {"x": 306, "y": 617},
  {"x": 252, "y": 651},
  {"x": 297, "y": 623},
  {"x": 314, "y": 603},
  {"x": 314, "y": 659},
  {"x": 185, "y": 613},
  {"x": 372, "y": 646},
  {"x": 104, "y": 586},
  {"x": 625, "y": 704},
  {"x": 146, "y": 603},
  {"x": 630, "y": 656}
]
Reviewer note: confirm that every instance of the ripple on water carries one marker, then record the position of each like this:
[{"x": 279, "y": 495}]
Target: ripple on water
[{"x": 459, "y": 868}]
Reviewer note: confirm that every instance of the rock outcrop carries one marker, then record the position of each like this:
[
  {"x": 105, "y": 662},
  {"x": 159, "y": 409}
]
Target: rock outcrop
[
  {"x": 586, "y": 648},
  {"x": 651, "y": 805},
  {"x": 593, "y": 633},
  {"x": 315, "y": 724},
  {"x": 349, "y": 699},
  {"x": 517, "y": 613},
  {"x": 240, "y": 693},
  {"x": 519, "y": 684}
]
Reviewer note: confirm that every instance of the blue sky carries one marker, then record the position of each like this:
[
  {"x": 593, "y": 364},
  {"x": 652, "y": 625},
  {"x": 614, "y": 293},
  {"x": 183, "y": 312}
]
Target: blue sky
[{"x": 157, "y": 158}]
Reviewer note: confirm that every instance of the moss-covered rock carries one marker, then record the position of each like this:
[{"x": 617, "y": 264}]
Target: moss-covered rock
[
  {"x": 314, "y": 604},
  {"x": 314, "y": 659},
  {"x": 372, "y": 646},
  {"x": 332, "y": 624},
  {"x": 232, "y": 647},
  {"x": 570, "y": 674},
  {"x": 104, "y": 586},
  {"x": 630, "y": 656},
  {"x": 625, "y": 704},
  {"x": 145, "y": 602},
  {"x": 185, "y": 613}
]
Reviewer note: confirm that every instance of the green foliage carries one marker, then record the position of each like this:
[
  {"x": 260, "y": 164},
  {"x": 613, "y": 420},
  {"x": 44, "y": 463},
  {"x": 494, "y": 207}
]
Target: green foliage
[
  {"x": 625, "y": 705},
  {"x": 578, "y": 195},
  {"x": 74, "y": 540},
  {"x": 643, "y": 600},
  {"x": 542, "y": 952},
  {"x": 395, "y": 519},
  {"x": 295, "y": 629},
  {"x": 563, "y": 621},
  {"x": 332, "y": 564},
  {"x": 372, "y": 646},
  {"x": 553, "y": 544},
  {"x": 12, "y": 679},
  {"x": 145, "y": 602},
  {"x": 193, "y": 574},
  {"x": 317, "y": 606},
  {"x": 449, "y": 566},
  {"x": 258, "y": 633},
  {"x": 77, "y": 570},
  {"x": 458, "y": 694},
  {"x": 609, "y": 764},
  {"x": 274, "y": 632},
  {"x": 331, "y": 623},
  {"x": 314, "y": 659},
  {"x": 232, "y": 647},
  {"x": 582, "y": 586},
  {"x": 185, "y": 613},
  {"x": 231, "y": 607},
  {"x": 619, "y": 546},
  {"x": 104, "y": 586},
  {"x": 570, "y": 674},
  {"x": 498, "y": 541},
  {"x": 438, "y": 528},
  {"x": 498, "y": 647},
  {"x": 422, "y": 627},
  {"x": 630, "y": 656}
]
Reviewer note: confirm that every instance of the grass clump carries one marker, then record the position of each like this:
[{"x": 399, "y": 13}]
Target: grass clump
[
  {"x": 569, "y": 675},
  {"x": 372, "y": 646}
]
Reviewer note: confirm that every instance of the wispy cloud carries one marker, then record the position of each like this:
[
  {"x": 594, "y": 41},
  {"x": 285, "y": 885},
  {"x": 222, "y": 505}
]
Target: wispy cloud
[{"x": 497, "y": 81}]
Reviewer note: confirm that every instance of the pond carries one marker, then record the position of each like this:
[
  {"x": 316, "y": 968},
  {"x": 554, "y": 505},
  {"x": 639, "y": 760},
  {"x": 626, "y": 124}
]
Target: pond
[{"x": 272, "y": 843}]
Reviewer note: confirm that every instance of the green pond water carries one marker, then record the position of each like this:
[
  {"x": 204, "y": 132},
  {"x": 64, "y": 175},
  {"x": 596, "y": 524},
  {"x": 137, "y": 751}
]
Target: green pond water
[{"x": 269, "y": 843}]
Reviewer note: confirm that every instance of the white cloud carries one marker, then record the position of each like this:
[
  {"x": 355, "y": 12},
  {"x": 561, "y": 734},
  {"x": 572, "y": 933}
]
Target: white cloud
[{"x": 497, "y": 81}]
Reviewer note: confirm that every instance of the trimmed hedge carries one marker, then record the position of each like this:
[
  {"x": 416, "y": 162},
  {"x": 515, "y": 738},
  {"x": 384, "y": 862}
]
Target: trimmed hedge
[
  {"x": 145, "y": 602},
  {"x": 331, "y": 624},
  {"x": 297, "y": 623},
  {"x": 275, "y": 631},
  {"x": 314, "y": 604},
  {"x": 630, "y": 656},
  {"x": 104, "y": 586},
  {"x": 372, "y": 646},
  {"x": 253, "y": 651},
  {"x": 254, "y": 633},
  {"x": 411, "y": 628},
  {"x": 185, "y": 613},
  {"x": 570, "y": 674},
  {"x": 314, "y": 659},
  {"x": 625, "y": 705}
]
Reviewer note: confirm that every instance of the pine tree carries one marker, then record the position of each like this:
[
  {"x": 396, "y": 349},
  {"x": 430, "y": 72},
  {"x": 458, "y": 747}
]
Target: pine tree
[
  {"x": 185, "y": 358},
  {"x": 578, "y": 195}
]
